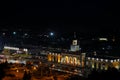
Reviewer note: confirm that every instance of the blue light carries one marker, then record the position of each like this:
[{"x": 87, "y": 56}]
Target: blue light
[
  {"x": 14, "y": 33},
  {"x": 51, "y": 33}
]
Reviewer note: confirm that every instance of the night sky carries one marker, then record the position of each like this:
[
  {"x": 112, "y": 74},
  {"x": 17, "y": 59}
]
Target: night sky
[{"x": 61, "y": 16}]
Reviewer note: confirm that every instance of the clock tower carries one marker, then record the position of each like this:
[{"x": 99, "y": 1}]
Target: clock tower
[{"x": 74, "y": 47}]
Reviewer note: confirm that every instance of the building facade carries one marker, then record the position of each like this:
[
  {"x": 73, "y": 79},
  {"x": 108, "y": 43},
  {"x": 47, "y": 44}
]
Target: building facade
[
  {"x": 102, "y": 64},
  {"x": 67, "y": 58}
]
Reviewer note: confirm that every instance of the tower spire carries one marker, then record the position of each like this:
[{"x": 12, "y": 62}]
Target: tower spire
[{"x": 74, "y": 35}]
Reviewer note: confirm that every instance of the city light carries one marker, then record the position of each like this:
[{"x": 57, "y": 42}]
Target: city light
[
  {"x": 34, "y": 68},
  {"x": 103, "y": 39},
  {"x": 3, "y": 33},
  {"x": 106, "y": 60},
  {"x": 118, "y": 60},
  {"x": 97, "y": 59},
  {"x": 12, "y": 48},
  {"x": 14, "y": 33},
  {"x": 93, "y": 58},
  {"x": 51, "y": 34},
  {"x": 25, "y": 49},
  {"x": 17, "y": 70},
  {"x": 88, "y": 58},
  {"x": 111, "y": 61},
  {"x": 25, "y": 34},
  {"x": 114, "y": 60},
  {"x": 101, "y": 59}
]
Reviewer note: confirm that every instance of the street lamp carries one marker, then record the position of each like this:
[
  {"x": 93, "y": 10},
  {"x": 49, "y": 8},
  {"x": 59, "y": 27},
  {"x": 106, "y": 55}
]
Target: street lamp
[
  {"x": 34, "y": 68},
  {"x": 17, "y": 70}
]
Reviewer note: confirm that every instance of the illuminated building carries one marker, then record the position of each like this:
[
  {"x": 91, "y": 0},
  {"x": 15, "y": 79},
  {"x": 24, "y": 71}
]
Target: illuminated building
[
  {"x": 68, "y": 58},
  {"x": 8, "y": 50},
  {"x": 102, "y": 63},
  {"x": 103, "y": 39},
  {"x": 74, "y": 46},
  {"x": 74, "y": 57}
]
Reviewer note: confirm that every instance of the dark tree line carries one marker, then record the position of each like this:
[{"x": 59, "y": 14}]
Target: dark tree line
[
  {"x": 110, "y": 74},
  {"x": 3, "y": 66}
]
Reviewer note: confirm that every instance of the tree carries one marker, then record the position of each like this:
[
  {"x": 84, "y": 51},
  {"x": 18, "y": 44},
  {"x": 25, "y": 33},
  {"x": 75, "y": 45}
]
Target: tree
[
  {"x": 27, "y": 76},
  {"x": 110, "y": 74},
  {"x": 2, "y": 72}
]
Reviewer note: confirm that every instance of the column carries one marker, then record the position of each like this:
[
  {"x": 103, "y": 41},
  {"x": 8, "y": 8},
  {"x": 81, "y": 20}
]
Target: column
[{"x": 83, "y": 59}]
